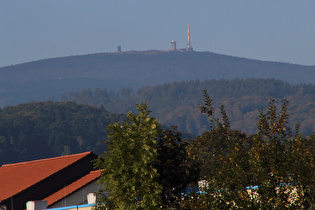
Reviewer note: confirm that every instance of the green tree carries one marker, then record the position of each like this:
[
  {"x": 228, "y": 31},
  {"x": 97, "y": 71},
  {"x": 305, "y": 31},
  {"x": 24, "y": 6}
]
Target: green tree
[
  {"x": 282, "y": 164},
  {"x": 175, "y": 166},
  {"x": 129, "y": 171},
  {"x": 272, "y": 169}
]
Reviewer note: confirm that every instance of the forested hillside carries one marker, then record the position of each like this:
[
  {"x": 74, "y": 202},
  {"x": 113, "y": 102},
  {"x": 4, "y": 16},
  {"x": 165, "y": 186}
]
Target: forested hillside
[
  {"x": 178, "y": 103},
  {"x": 46, "y": 79},
  {"x": 46, "y": 129}
]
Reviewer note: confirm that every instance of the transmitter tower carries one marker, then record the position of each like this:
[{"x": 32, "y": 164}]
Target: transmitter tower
[{"x": 189, "y": 47}]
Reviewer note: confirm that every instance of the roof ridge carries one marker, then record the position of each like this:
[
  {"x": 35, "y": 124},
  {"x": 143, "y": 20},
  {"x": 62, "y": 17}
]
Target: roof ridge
[
  {"x": 41, "y": 160},
  {"x": 73, "y": 187}
]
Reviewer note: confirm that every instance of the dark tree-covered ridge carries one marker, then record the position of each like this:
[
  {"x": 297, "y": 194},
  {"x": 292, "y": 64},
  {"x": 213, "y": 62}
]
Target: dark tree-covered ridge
[
  {"x": 45, "y": 129},
  {"x": 44, "y": 79},
  {"x": 178, "y": 103}
]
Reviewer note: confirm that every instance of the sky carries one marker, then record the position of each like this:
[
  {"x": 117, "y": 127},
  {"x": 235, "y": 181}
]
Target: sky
[{"x": 269, "y": 30}]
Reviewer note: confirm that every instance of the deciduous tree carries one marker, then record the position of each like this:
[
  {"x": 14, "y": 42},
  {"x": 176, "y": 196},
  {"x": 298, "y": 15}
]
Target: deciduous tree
[
  {"x": 129, "y": 172},
  {"x": 176, "y": 167},
  {"x": 273, "y": 169}
]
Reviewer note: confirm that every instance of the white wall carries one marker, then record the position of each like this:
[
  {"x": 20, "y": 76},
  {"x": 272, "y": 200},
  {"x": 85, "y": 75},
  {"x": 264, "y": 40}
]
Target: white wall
[{"x": 79, "y": 197}]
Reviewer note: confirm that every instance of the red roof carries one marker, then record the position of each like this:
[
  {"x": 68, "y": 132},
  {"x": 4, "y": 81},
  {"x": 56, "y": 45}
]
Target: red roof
[
  {"x": 93, "y": 175},
  {"x": 15, "y": 178}
]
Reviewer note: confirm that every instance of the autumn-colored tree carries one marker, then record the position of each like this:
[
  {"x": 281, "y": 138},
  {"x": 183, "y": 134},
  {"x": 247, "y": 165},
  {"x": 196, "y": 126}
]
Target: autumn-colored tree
[
  {"x": 281, "y": 162},
  {"x": 273, "y": 169}
]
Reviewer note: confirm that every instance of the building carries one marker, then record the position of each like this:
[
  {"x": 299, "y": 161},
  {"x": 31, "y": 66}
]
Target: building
[
  {"x": 75, "y": 193},
  {"x": 173, "y": 45},
  {"x": 60, "y": 181},
  {"x": 188, "y": 47}
]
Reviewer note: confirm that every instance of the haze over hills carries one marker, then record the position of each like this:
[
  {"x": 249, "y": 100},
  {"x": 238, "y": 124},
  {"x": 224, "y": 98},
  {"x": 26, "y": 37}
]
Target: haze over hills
[
  {"x": 178, "y": 103},
  {"x": 42, "y": 129},
  {"x": 49, "y": 78},
  {"x": 171, "y": 82},
  {"x": 45, "y": 129}
]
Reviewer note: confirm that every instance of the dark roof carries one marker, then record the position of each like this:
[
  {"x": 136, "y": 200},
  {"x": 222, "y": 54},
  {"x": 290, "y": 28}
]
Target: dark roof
[{"x": 64, "y": 192}]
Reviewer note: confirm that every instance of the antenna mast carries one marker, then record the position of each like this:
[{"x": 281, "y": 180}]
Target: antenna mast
[{"x": 189, "y": 48}]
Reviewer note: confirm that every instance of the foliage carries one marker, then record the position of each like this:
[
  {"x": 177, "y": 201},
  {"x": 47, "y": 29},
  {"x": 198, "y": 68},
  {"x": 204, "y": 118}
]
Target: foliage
[
  {"x": 272, "y": 169},
  {"x": 40, "y": 80},
  {"x": 129, "y": 163},
  {"x": 177, "y": 103},
  {"x": 45, "y": 129},
  {"x": 212, "y": 143},
  {"x": 145, "y": 167},
  {"x": 175, "y": 166},
  {"x": 281, "y": 163}
]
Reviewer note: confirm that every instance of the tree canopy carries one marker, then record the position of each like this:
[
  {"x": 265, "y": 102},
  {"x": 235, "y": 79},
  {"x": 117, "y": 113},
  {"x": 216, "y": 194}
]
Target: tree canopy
[
  {"x": 128, "y": 164},
  {"x": 46, "y": 129},
  {"x": 272, "y": 169},
  {"x": 176, "y": 166},
  {"x": 144, "y": 167},
  {"x": 178, "y": 103}
]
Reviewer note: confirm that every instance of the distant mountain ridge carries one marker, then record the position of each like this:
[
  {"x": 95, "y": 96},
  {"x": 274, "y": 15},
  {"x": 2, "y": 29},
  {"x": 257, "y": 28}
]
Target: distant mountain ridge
[
  {"x": 49, "y": 78},
  {"x": 178, "y": 103}
]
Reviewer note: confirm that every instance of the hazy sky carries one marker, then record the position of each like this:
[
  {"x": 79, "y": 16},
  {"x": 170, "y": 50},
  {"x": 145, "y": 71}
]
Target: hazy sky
[{"x": 281, "y": 30}]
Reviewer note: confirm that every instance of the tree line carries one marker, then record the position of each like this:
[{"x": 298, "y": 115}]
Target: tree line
[
  {"x": 45, "y": 129},
  {"x": 177, "y": 103},
  {"x": 146, "y": 167},
  {"x": 269, "y": 163}
]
